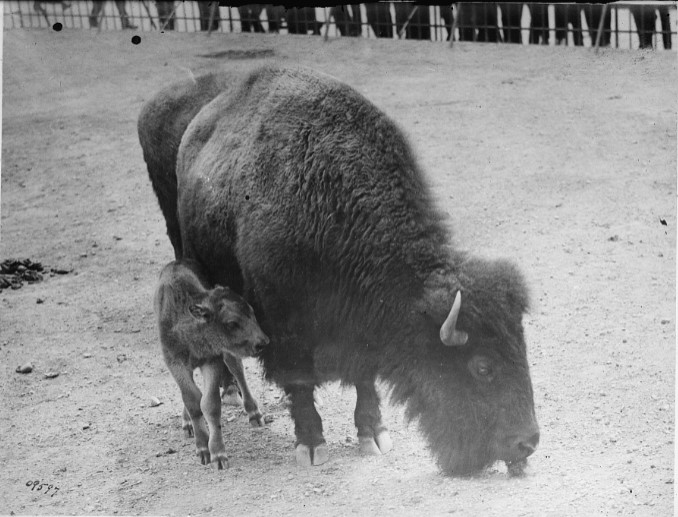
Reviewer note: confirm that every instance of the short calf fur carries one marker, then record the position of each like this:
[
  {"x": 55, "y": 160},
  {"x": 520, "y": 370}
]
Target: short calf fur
[{"x": 210, "y": 329}]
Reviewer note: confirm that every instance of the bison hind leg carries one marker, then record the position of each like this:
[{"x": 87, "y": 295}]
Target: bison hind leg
[{"x": 231, "y": 396}]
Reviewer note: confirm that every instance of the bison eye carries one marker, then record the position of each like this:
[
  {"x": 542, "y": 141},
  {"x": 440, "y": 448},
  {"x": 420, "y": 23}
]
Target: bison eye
[
  {"x": 481, "y": 368},
  {"x": 484, "y": 370}
]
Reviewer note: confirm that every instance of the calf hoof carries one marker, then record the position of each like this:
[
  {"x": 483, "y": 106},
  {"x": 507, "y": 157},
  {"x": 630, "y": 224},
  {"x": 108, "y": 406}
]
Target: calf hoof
[
  {"x": 311, "y": 456},
  {"x": 188, "y": 430},
  {"x": 257, "y": 419},
  {"x": 380, "y": 444},
  {"x": 204, "y": 455},
  {"x": 221, "y": 460},
  {"x": 231, "y": 397}
]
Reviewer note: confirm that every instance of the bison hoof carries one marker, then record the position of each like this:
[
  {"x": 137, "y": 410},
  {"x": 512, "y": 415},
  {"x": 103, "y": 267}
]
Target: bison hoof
[
  {"x": 231, "y": 397},
  {"x": 368, "y": 446},
  {"x": 257, "y": 419},
  {"x": 380, "y": 444},
  {"x": 204, "y": 455},
  {"x": 384, "y": 442},
  {"x": 312, "y": 456}
]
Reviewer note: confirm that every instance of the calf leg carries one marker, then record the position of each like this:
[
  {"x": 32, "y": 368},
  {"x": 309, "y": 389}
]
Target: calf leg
[
  {"x": 311, "y": 448},
  {"x": 235, "y": 366},
  {"x": 212, "y": 372},
  {"x": 193, "y": 422},
  {"x": 372, "y": 435},
  {"x": 230, "y": 396}
]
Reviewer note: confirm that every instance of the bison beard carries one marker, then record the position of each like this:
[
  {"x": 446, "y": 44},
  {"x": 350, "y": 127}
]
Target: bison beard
[{"x": 294, "y": 190}]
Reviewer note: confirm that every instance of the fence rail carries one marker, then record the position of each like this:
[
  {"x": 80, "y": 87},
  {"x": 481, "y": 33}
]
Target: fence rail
[{"x": 625, "y": 25}]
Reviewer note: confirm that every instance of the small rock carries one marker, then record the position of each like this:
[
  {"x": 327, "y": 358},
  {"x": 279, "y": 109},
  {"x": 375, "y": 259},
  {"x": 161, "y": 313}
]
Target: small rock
[
  {"x": 86, "y": 426},
  {"x": 268, "y": 419},
  {"x": 39, "y": 301},
  {"x": 121, "y": 358},
  {"x": 155, "y": 402},
  {"x": 51, "y": 375},
  {"x": 86, "y": 355},
  {"x": 26, "y": 368},
  {"x": 665, "y": 322}
]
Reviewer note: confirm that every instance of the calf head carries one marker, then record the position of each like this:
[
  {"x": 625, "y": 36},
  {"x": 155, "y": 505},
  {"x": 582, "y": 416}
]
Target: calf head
[{"x": 227, "y": 323}]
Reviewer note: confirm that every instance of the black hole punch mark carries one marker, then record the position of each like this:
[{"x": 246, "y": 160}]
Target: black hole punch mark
[
  {"x": 57, "y": 27},
  {"x": 136, "y": 40}
]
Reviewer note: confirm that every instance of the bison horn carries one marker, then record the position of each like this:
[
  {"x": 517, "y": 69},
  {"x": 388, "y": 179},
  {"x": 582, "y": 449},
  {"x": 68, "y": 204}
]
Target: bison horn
[{"x": 449, "y": 335}]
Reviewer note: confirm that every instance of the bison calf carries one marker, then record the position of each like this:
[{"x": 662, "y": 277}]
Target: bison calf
[{"x": 206, "y": 329}]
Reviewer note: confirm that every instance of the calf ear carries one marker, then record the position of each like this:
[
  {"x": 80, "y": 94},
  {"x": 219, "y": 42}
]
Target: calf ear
[{"x": 200, "y": 311}]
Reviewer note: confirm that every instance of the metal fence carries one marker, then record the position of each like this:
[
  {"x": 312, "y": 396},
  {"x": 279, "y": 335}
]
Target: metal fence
[{"x": 625, "y": 24}]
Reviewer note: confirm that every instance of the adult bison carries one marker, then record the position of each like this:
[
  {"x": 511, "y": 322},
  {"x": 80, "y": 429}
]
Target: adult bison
[{"x": 297, "y": 192}]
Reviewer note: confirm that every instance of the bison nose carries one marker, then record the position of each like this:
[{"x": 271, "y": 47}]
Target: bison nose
[
  {"x": 519, "y": 446},
  {"x": 527, "y": 447}
]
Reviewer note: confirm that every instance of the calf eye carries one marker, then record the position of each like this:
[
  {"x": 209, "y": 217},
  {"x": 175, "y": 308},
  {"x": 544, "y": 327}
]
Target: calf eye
[{"x": 232, "y": 326}]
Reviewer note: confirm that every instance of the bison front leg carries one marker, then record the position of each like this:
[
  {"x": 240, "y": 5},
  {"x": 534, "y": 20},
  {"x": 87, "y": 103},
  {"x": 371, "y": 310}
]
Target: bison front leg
[
  {"x": 311, "y": 448},
  {"x": 372, "y": 435}
]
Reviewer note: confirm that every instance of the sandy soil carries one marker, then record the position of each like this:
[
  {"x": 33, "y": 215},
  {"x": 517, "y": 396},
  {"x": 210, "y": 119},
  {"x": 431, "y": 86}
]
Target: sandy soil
[{"x": 560, "y": 159}]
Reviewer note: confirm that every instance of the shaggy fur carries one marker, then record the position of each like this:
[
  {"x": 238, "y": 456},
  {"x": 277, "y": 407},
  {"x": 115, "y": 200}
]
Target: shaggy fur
[
  {"x": 162, "y": 122},
  {"x": 297, "y": 190}
]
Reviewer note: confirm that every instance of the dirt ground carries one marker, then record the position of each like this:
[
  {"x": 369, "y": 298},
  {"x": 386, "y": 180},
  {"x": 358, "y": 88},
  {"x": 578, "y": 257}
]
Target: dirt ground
[{"x": 558, "y": 158}]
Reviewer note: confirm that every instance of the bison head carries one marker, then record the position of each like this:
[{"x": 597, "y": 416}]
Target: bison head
[{"x": 469, "y": 385}]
